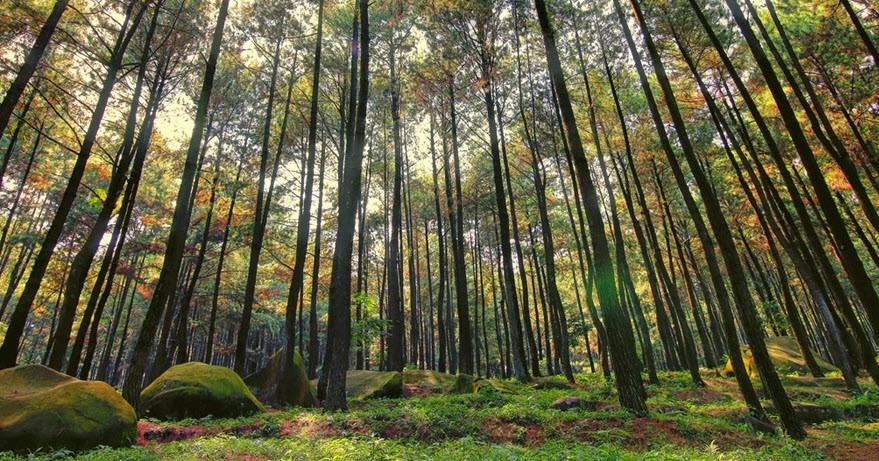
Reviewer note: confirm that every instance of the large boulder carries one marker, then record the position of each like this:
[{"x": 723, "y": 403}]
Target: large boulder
[
  {"x": 196, "y": 390},
  {"x": 41, "y": 408},
  {"x": 499, "y": 385},
  {"x": 786, "y": 356},
  {"x": 298, "y": 391},
  {"x": 363, "y": 384},
  {"x": 442, "y": 382}
]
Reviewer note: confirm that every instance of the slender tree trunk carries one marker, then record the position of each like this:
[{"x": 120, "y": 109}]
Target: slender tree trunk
[
  {"x": 15, "y": 329},
  {"x": 85, "y": 256},
  {"x": 456, "y": 223},
  {"x": 313, "y": 340},
  {"x": 259, "y": 222},
  {"x": 862, "y": 31},
  {"x": 215, "y": 297},
  {"x": 625, "y": 360},
  {"x": 849, "y": 258},
  {"x": 302, "y": 229},
  {"x": 396, "y": 356},
  {"x": 520, "y": 372},
  {"x": 414, "y": 292},
  {"x": 441, "y": 333},
  {"x": 29, "y": 66},
  {"x": 747, "y": 311},
  {"x": 16, "y": 200},
  {"x": 13, "y": 141},
  {"x": 179, "y": 224},
  {"x": 332, "y": 381}
]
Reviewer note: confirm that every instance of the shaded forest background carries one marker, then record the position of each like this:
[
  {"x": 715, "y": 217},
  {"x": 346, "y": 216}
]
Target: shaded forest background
[{"x": 496, "y": 188}]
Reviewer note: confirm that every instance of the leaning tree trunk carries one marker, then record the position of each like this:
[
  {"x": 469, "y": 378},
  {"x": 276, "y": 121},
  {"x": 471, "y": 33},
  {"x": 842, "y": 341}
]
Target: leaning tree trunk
[
  {"x": 179, "y": 224},
  {"x": 85, "y": 256},
  {"x": 27, "y": 69},
  {"x": 741, "y": 293},
  {"x": 619, "y": 330},
  {"x": 15, "y": 327}
]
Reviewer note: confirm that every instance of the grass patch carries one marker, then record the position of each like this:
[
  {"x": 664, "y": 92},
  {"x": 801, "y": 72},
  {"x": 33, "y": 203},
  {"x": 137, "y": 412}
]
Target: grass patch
[{"x": 514, "y": 422}]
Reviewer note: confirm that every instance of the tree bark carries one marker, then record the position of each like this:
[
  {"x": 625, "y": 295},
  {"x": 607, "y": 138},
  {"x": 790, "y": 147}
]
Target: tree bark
[
  {"x": 628, "y": 378},
  {"x": 179, "y": 224}
]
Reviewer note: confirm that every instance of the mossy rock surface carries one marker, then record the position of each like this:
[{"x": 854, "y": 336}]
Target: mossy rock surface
[
  {"x": 499, "y": 385},
  {"x": 363, "y": 384},
  {"x": 298, "y": 392},
  {"x": 786, "y": 356},
  {"x": 428, "y": 378},
  {"x": 445, "y": 382},
  {"x": 196, "y": 390},
  {"x": 41, "y": 408}
]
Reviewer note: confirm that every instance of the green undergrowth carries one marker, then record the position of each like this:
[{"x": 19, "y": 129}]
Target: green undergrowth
[
  {"x": 365, "y": 448},
  {"x": 504, "y": 420}
]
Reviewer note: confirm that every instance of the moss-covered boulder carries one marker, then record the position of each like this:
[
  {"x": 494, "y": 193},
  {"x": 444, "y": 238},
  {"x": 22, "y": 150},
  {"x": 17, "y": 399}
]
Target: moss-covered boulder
[
  {"x": 363, "y": 384},
  {"x": 298, "y": 391},
  {"x": 786, "y": 356},
  {"x": 441, "y": 382},
  {"x": 41, "y": 408},
  {"x": 464, "y": 384},
  {"x": 428, "y": 378},
  {"x": 196, "y": 390},
  {"x": 499, "y": 385}
]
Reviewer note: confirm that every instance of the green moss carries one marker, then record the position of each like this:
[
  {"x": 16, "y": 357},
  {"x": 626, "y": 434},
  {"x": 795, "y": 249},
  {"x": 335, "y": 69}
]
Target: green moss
[
  {"x": 40, "y": 407},
  {"x": 298, "y": 391},
  {"x": 444, "y": 382},
  {"x": 195, "y": 390},
  {"x": 363, "y": 384},
  {"x": 502, "y": 386},
  {"x": 786, "y": 356},
  {"x": 428, "y": 378},
  {"x": 465, "y": 384}
]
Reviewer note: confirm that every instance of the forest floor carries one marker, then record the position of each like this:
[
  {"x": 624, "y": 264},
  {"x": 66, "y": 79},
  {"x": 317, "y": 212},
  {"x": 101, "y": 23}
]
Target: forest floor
[{"x": 508, "y": 421}]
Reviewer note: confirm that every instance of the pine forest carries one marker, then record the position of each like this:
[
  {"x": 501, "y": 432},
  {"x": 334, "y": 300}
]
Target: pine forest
[{"x": 439, "y": 229}]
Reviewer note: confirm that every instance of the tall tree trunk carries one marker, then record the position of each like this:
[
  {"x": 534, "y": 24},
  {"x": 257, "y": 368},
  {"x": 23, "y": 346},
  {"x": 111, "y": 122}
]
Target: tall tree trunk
[
  {"x": 85, "y": 256},
  {"x": 215, "y": 296},
  {"x": 120, "y": 231},
  {"x": 332, "y": 380},
  {"x": 747, "y": 310},
  {"x": 259, "y": 222},
  {"x": 15, "y": 329},
  {"x": 456, "y": 226},
  {"x": 520, "y": 372},
  {"x": 179, "y": 224},
  {"x": 625, "y": 359},
  {"x": 443, "y": 271},
  {"x": 313, "y": 340},
  {"x": 560, "y": 331},
  {"x": 396, "y": 356},
  {"x": 848, "y": 255},
  {"x": 805, "y": 219},
  {"x": 29, "y": 66},
  {"x": 302, "y": 227}
]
